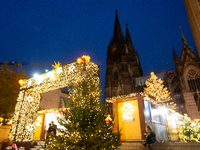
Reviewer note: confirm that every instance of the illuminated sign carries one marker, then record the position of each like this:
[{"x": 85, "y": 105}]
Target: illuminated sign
[{"x": 127, "y": 112}]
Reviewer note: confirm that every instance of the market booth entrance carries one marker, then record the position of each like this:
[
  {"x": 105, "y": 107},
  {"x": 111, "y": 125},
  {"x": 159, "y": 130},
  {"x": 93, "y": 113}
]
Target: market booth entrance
[
  {"x": 132, "y": 113},
  {"x": 129, "y": 118},
  {"x": 25, "y": 116}
]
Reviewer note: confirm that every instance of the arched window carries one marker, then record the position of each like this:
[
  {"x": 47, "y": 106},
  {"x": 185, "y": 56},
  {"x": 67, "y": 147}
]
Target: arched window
[
  {"x": 193, "y": 78},
  {"x": 177, "y": 89},
  {"x": 174, "y": 80}
]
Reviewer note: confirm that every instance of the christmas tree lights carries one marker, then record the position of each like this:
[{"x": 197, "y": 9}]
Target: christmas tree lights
[
  {"x": 85, "y": 124},
  {"x": 25, "y": 116},
  {"x": 155, "y": 89},
  {"x": 156, "y": 94},
  {"x": 190, "y": 130}
]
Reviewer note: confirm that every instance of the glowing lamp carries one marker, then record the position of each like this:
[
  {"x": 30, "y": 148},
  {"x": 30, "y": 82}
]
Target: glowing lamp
[
  {"x": 152, "y": 73},
  {"x": 49, "y": 74},
  {"x": 21, "y": 82},
  {"x": 35, "y": 75},
  {"x": 86, "y": 58},
  {"x": 79, "y": 60},
  {"x": 39, "y": 79}
]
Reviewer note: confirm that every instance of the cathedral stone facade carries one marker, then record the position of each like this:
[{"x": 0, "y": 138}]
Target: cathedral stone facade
[
  {"x": 124, "y": 73},
  {"x": 123, "y": 64}
]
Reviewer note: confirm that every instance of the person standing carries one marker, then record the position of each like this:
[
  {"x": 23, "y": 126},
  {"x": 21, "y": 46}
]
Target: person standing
[
  {"x": 54, "y": 128},
  {"x": 49, "y": 131}
]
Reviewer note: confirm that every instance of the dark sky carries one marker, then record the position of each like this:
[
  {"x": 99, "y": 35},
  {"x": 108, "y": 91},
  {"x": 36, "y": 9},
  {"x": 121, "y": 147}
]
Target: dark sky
[{"x": 63, "y": 30}]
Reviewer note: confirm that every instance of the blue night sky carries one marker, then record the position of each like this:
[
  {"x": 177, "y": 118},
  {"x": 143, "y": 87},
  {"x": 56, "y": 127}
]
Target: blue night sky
[{"x": 63, "y": 30}]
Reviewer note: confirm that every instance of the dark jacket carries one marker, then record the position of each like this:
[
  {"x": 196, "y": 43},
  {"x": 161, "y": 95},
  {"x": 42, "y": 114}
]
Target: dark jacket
[{"x": 151, "y": 138}]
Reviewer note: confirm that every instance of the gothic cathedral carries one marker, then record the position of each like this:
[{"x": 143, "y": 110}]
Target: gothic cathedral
[
  {"x": 123, "y": 64},
  {"x": 124, "y": 73}
]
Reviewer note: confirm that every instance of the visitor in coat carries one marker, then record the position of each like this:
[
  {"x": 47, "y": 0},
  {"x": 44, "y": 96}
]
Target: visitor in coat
[
  {"x": 150, "y": 137},
  {"x": 54, "y": 128},
  {"x": 49, "y": 131}
]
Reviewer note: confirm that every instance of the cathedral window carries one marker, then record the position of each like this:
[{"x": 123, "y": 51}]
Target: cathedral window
[
  {"x": 197, "y": 99},
  {"x": 174, "y": 80},
  {"x": 177, "y": 89},
  {"x": 193, "y": 78}
]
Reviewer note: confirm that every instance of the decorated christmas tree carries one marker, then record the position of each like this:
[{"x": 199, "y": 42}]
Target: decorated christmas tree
[
  {"x": 85, "y": 124},
  {"x": 186, "y": 131},
  {"x": 190, "y": 130},
  {"x": 155, "y": 89}
]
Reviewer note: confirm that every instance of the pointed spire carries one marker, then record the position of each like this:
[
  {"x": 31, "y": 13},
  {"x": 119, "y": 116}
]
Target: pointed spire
[
  {"x": 183, "y": 38},
  {"x": 174, "y": 54},
  {"x": 128, "y": 39},
  {"x": 117, "y": 34}
]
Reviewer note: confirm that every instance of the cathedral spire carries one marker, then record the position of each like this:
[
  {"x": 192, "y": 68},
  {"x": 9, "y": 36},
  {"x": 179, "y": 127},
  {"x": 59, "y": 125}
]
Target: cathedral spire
[
  {"x": 183, "y": 38},
  {"x": 174, "y": 55},
  {"x": 128, "y": 38},
  {"x": 117, "y": 34}
]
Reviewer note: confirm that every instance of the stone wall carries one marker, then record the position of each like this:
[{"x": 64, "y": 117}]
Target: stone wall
[{"x": 51, "y": 99}]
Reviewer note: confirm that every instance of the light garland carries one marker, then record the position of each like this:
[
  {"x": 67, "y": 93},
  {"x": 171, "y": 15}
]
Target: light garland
[
  {"x": 155, "y": 93},
  {"x": 110, "y": 100},
  {"x": 26, "y": 109},
  {"x": 150, "y": 100},
  {"x": 42, "y": 112}
]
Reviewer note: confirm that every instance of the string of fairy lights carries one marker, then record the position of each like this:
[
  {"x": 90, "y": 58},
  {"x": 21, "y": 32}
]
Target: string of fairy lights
[
  {"x": 156, "y": 94},
  {"x": 84, "y": 123},
  {"x": 26, "y": 109},
  {"x": 155, "y": 88}
]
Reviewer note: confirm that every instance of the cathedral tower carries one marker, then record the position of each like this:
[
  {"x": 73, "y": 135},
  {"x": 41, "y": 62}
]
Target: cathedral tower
[
  {"x": 123, "y": 64},
  {"x": 187, "y": 78}
]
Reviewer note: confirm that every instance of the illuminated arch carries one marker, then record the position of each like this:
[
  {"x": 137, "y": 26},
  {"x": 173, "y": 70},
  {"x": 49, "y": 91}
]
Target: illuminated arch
[{"x": 25, "y": 116}]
